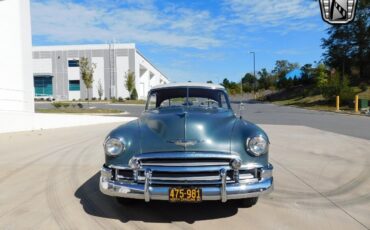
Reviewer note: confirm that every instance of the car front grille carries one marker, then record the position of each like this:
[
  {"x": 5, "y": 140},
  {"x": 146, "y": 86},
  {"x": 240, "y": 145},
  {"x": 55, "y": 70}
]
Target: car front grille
[
  {"x": 182, "y": 177},
  {"x": 186, "y": 162},
  {"x": 186, "y": 170}
]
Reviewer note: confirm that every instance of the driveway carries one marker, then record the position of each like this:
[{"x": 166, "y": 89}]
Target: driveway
[
  {"x": 352, "y": 125},
  {"x": 49, "y": 180},
  {"x": 265, "y": 113}
]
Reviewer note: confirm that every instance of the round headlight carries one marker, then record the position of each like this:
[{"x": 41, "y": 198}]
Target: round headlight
[
  {"x": 113, "y": 147},
  {"x": 257, "y": 145}
]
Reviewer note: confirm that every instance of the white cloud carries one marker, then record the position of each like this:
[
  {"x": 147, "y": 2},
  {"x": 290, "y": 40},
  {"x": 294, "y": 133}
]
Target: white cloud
[
  {"x": 273, "y": 13},
  {"x": 70, "y": 22},
  {"x": 173, "y": 26},
  {"x": 66, "y": 22},
  {"x": 288, "y": 52}
]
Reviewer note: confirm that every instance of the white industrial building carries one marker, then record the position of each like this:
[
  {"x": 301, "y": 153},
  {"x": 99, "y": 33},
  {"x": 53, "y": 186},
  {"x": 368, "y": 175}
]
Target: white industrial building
[
  {"x": 16, "y": 77},
  {"x": 16, "y": 91},
  {"x": 56, "y": 71}
]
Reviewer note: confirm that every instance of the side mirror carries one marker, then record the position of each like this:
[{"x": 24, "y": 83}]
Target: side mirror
[{"x": 241, "y": 109}]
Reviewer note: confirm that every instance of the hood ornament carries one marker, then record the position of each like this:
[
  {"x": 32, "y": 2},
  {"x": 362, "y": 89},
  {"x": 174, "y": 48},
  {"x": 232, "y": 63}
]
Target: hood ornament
[{"x": 185, "y": 142}]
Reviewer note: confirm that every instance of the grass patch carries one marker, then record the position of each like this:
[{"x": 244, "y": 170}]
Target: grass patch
[
  {"x": 299, "y": 97},
  {"x": 365, "y": 94},
  {"x": 78, "y": 111},
  {"x": 136, "y": 102},
  {"x": 316, "y": 102}
]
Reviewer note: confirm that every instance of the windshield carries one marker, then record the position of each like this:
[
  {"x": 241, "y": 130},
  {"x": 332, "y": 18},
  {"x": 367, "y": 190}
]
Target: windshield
[{"x": 187, "y": 97}]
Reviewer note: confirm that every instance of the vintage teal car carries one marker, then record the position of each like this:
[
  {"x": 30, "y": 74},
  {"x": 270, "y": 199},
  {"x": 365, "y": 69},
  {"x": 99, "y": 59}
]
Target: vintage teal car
[{"x": 187, "y": 146}]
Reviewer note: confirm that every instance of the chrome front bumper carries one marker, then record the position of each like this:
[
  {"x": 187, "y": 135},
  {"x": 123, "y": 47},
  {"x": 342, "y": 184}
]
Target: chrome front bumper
[{"x": 223, "y": 192}]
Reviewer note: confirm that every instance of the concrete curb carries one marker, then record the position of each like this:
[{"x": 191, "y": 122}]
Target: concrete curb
[{"x": 16, "y": 122}]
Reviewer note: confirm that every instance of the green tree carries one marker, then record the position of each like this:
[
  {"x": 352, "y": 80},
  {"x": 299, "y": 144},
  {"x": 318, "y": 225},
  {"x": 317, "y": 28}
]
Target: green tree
[
  {"x": 133, "y": 95},
  {"x": 332, "y": 84},
  {"x": 347, "y": 47},
  {"x": 100, "y": 89},
  {"x": 249, "y": 83},
  {"x": 307, "y": 74},
  {"x": 265, "y": 80},
  {"x": 282, "y": 67},
  {"x": 338, "y": 86},
  {"x": 130, "y": 84},
  {"x": 231, "y": 87},
  {"x": 225, "y": 83},
  {"x": 87, "y": 72},
  {"x": 322, "y": 77},
  {"x": 234, "y": 88}
]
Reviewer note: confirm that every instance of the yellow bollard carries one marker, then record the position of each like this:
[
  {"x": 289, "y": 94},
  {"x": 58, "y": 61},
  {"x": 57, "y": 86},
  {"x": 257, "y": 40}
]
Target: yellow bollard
[
  {"x": 356, "y": 104},
  {"x": 337, "y": 103}
]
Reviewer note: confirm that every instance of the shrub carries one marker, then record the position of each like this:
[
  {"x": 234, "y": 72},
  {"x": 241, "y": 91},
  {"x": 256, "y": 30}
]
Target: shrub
[
  {"x": 133, "y": 95},
  {"x": 57, "y": 104},
  {"x": 105, "y": 98},
  {"x": 337, "y": 87},
  {"x": 113, "y": 99},
  {"x": 305, "y": 93},
  {"x": 86, "y": 99},
  {"x": 73, "y": 105},
  {"x": 73, "y": 99},
  {"x": 80, "y": 105},
  {"x": 41, "y": 99},
  {"x": 94, "y": 98},
  {"x": 65, "y": 105},
  {"x": 120, "y": 99},
  {"x": 363, "y": 86}
]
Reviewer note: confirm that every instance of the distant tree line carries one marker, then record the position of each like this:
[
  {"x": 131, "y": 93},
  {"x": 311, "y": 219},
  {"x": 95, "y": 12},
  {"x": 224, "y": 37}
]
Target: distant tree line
[
  {"x": 347, "y": 47},
  {"x": 314, "y": 79},
  {"x": 273, "y": 80},
  {"x": 345, "y": 63}
]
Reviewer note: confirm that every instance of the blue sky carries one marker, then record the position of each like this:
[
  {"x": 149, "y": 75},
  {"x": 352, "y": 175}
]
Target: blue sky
[{"x": 189, "y": 40}]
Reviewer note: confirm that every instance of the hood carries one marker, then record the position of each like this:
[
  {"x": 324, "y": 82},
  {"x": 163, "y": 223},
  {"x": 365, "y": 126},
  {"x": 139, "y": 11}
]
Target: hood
[{"x": 181, "y": 129}]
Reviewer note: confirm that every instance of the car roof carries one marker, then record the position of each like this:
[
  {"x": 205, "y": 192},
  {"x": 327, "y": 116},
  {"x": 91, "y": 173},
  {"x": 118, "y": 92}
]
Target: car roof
[{"x": 189, "y": 84}]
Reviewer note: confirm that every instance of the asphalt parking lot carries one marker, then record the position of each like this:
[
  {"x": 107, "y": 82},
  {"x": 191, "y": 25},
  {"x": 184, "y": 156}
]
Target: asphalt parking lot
[
  {"x": 49, "y": 180},
  {"x": 265, "y": 113}
]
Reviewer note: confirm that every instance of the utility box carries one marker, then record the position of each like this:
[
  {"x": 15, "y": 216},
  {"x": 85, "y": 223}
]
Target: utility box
[{"x": 364, "y": 104}]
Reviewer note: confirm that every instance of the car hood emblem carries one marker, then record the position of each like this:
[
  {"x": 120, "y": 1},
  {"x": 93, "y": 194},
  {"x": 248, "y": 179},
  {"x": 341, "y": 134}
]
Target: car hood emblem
[{"x": 184, "y": 142}]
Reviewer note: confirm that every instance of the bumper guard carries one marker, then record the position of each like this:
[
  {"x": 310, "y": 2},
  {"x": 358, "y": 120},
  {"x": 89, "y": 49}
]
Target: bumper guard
[{"x": 224, "y": 192}]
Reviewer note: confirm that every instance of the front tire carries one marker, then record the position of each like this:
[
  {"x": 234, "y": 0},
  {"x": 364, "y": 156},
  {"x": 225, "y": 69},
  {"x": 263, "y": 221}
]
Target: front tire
[
  {"x": 125, "y": 201},
  {"x": 248, "y": 202}
]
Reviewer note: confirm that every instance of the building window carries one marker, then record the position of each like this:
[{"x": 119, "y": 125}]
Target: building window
[
  {"x": 43, "y": 86},
  {"x": 73, "y": 63},
  {"x": 74, "y": 85}
]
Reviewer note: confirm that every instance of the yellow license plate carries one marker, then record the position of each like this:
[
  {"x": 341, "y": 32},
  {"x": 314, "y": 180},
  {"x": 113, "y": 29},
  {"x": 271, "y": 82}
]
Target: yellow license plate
[{"x": 179, "y": 194}]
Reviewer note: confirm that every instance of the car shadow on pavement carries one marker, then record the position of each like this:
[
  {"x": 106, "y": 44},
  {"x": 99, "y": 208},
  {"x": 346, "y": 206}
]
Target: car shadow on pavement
[{"x": 97, "y": 204}]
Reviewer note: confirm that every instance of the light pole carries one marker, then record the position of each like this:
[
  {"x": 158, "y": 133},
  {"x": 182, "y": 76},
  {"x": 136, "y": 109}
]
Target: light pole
[
  {"x": 241, "y": 87},
  {"x": 254, "y": 72}
]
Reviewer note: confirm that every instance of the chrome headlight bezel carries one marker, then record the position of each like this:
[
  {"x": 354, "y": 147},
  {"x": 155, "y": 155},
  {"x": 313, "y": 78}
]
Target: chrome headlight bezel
[
  {"x": 113, "y": 147},
  {"x": 257, "y": 145}
]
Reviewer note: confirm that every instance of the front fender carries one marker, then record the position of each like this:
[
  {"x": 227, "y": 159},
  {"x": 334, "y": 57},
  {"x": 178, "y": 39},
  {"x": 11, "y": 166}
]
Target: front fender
[
  {"x": 243, "y": 130},
  {"x": 129, "y": 134}
]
